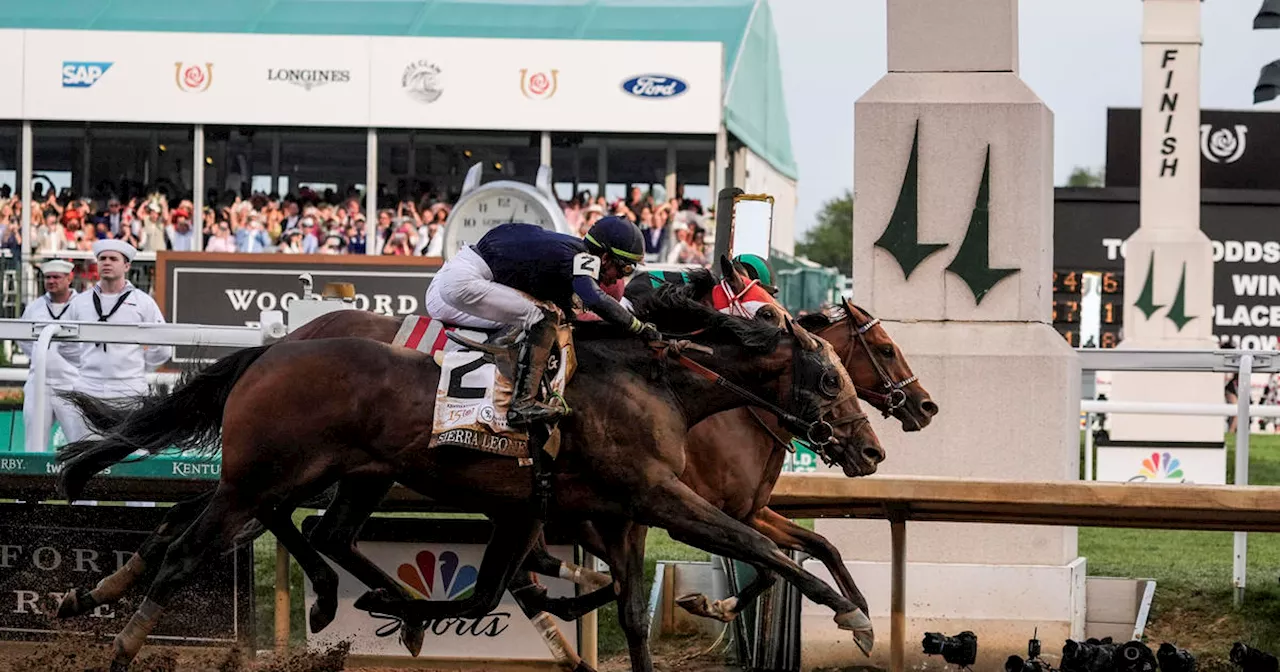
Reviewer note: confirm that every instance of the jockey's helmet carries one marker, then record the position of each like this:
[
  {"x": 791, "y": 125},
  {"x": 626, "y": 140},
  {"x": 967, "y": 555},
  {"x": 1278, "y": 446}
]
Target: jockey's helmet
[
  {"x": 757, "y": 268},
  {"x": 617, "y": 236}
]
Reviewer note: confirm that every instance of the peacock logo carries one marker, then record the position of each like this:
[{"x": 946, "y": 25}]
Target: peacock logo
[
  {"x": 1161, "y": 467},
  {"x": 438, "y": 578}
]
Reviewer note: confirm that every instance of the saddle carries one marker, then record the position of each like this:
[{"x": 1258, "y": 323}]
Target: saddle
[{"x": 477, "y": 386}]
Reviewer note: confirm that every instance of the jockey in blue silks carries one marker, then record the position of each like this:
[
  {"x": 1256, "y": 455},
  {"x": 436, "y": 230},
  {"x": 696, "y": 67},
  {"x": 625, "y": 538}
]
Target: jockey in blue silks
[{"x": 475, "y": 289}]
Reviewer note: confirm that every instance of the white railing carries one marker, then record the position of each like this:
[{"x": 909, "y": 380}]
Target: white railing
[
  {"x": 46, "y": 333},
  {"x": 1245, "y": 363}
]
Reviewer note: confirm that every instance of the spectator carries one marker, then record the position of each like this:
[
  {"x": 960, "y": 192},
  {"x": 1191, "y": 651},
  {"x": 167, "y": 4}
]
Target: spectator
[
  {"x": 221, "y": 240},
  {"x": 112, "y": 371},
  {"x": 60, "y": 376},
  {"x": 182, "y": 237},
  {"x": 253, "y": 237}
]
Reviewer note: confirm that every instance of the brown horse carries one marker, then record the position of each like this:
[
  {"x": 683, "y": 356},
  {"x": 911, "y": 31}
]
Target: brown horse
[
  {"x": 376, "y": 421},
  {"x": 734, "y": 459}
]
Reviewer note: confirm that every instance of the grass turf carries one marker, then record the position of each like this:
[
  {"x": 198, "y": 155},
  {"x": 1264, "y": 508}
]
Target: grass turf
[{"x": 1193, "y": 599}]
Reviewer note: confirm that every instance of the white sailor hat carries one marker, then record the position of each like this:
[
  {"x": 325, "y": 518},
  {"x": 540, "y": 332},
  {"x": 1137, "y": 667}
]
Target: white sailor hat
[
  {"x": 56, "y": 266},
  {"x": 111, "y": 245}
]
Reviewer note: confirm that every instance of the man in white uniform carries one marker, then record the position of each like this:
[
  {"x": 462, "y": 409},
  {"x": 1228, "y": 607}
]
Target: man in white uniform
[
  {"x": 113, "y": 370},
  {"x": 60, "y": 376}
]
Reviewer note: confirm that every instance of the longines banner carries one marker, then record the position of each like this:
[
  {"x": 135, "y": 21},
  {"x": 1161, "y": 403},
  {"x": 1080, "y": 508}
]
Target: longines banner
[
  {"x": 45, "y": 550},
  {"x": 360, "y": 81},
  {"x": 1091, "y": 225},
  {"x": 234, "y": 289},
  {"x": 1238, "y": 149},
  {"x": 438, "y": 560}
]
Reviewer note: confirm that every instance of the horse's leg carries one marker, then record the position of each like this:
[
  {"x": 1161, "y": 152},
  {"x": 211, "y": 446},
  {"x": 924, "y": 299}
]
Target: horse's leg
[
  {"x": 530, "y": 596},
  {"x": 211, "y": 534},
  {"x": 728, "y": 609},
  {"x": 147, "y": 557},
  {"x": 335, "y": 536},
  {"x": 541, "y": 561},
  {"x": 510, "y": 543},
  {"x": 785, "y": 534},
  {"x": 323, "y": 579},
  {"x": 692, "y": 520},
  {"x": 626, "y": 560},
  {"x": 788, "y": 535}
]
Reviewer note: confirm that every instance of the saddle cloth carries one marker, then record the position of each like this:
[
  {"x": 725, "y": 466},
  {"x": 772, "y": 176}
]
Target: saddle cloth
[{"x": 476, "y": 388}]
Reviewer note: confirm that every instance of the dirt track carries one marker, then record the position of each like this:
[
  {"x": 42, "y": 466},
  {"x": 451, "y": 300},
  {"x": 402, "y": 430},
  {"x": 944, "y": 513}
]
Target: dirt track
[{"x": 73, "y": 655}]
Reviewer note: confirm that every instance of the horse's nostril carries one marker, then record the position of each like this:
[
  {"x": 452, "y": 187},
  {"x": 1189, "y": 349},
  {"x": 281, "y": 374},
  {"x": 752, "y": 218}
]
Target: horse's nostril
[
  {"x": 874, "y": 454},
  {"x": 929, "y": 407}
]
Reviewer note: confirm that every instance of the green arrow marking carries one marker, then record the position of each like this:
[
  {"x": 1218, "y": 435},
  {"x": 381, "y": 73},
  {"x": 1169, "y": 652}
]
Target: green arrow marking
[
  {"x": 973, "y": 260},
  {"x": 1178, "y": 311},
  {"x": 901, "y": 238},
  {"x": 1146, "y": 300}
]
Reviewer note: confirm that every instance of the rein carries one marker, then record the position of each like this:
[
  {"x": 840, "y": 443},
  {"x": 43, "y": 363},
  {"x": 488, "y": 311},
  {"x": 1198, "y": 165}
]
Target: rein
[
  {"x": 894, "y": 397},
  {"x": 818, "y": 433}
]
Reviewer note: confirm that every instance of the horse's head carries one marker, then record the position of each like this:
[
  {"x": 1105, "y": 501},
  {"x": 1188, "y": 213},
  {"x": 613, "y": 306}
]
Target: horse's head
[
  {"x": 737, "y": 294},
  {"x": 878, "y": 366},
  {"x": 826, "y": 403}
]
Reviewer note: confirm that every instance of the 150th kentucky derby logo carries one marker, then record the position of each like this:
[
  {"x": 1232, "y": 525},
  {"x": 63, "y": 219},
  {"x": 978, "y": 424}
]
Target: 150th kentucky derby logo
[
  {"x": 539, "y": 85},
  {"x": 1224, "y": 145}
]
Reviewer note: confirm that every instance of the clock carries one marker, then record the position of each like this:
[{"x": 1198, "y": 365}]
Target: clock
[{"x": 483, "y": 207}]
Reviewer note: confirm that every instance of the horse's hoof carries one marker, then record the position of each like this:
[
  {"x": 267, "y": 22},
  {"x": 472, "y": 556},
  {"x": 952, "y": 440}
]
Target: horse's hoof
[
  {"x": 698, "y": 605},
  {"x": 322, "y": 614},
  {"x": 72, "y": 604},
  {"x": 857, "y": 622},
  {"x": 411, "y": 635},
  {"x": 378, "y": 600},
  {"x": 695, "y": 603}
]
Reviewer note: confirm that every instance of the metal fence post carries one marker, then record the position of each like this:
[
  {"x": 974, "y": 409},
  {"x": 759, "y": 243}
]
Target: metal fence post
[
  {"x": 1244, "y": 397},
  {"x": 38, "y": 441},
  {"x": 1088, "y": 446}
]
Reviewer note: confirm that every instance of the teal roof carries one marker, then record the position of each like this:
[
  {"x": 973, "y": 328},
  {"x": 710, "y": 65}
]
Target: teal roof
[{"x": 755, "y": 110}]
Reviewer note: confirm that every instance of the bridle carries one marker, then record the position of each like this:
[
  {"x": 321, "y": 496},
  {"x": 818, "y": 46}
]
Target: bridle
[
  {"x": 818, "y": 433},
  {"x": 893, "y": 397}
]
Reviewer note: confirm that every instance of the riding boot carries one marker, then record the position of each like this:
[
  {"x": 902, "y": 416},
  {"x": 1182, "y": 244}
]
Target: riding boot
[{"x": 534, "y": 353}]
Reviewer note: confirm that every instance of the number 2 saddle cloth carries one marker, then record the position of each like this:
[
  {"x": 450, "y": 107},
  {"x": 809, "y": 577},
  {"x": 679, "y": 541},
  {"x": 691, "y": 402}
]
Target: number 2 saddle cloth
[{"x": 476, "y": 388}]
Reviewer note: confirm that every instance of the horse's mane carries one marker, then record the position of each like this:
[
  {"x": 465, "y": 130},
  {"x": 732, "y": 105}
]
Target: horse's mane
[
  {"x": 672, "y": 309},
  {"x": 825, "y": 318}
]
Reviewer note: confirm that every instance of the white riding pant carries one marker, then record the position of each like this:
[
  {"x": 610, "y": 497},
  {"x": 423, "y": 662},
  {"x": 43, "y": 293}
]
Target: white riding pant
[{"x": 463, "y": 293}]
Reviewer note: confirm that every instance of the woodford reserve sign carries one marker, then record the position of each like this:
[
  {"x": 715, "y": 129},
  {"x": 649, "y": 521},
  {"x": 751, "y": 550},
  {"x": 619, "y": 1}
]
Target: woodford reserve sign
[
  {"x": 234, "y": 289},
  {"x": 47, "y": 550}
]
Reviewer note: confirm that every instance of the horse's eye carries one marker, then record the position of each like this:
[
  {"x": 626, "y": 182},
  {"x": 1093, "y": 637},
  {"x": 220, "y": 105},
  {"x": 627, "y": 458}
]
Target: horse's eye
[
  {"x": 887, "y": 351},
  {"x": 829, "y": 384}
]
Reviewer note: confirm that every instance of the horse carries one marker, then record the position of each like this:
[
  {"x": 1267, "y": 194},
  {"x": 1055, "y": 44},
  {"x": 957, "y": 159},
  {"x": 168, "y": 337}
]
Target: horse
[
  {"x": 734, "y": 460},
  {"x": 377, "y": 419}
]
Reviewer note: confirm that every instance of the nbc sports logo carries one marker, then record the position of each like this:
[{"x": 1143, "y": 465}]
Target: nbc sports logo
[
  {"x": 440, "y": 578},
  {"x": 1160, "y": 467}
]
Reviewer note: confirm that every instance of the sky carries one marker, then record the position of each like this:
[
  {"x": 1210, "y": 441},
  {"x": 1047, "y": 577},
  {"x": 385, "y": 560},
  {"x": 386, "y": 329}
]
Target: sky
[{"x": 1079, "y": 56}]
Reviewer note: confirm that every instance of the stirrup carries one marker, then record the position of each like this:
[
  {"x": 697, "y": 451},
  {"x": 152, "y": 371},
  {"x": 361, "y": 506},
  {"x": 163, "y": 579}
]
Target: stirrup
[{"x": 529, "y": 412}]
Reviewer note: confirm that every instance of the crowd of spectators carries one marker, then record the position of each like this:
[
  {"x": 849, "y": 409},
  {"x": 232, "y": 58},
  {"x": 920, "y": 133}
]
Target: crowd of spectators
[{"x": 311, "y": 222}]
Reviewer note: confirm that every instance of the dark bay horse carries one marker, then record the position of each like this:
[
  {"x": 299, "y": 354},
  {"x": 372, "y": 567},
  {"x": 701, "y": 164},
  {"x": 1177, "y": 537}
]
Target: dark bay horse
[
  {"x": 374, "y": 418},
  {"x": 734, "y": 459}
]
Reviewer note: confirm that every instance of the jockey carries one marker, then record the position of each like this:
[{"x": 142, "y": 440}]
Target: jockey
[
  {"x": 757, "y": 268},
  {"x": 475, "y": 289}
]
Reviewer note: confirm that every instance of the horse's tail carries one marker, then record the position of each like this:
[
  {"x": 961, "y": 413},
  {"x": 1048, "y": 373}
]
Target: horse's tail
[{"x": 188, "y": 419}]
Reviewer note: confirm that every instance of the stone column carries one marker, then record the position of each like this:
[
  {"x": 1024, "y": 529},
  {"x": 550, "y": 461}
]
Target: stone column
[
  {"x": 953, "y": 249},
  {"x": 1168, "y": 270}
]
